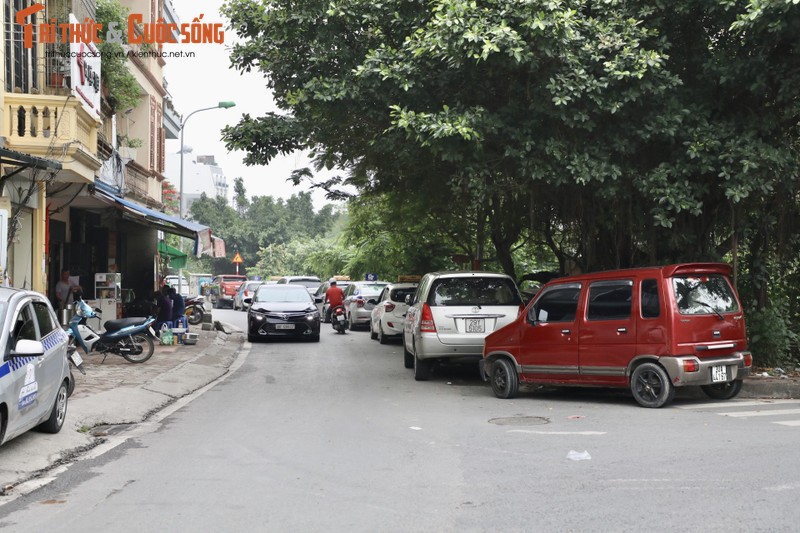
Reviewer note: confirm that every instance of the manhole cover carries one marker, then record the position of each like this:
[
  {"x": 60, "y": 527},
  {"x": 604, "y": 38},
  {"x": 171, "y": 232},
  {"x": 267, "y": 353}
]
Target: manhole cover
[{"x": 520, "y": 421}]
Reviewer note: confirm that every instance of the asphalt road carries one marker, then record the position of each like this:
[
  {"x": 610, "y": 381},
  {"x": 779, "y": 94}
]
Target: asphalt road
[{"x": 337, "y": 436}]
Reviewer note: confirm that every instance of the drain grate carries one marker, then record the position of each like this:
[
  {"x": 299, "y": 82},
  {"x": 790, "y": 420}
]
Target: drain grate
[{"x": 520, "y": 421}]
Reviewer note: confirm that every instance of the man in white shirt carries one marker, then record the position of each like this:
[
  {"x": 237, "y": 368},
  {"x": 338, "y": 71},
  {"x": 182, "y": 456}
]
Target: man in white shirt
[{"x": 64, "y": 290}]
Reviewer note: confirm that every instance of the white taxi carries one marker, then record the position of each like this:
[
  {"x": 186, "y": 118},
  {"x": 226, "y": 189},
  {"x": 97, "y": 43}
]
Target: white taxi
[{"x": 34, "y": 371}]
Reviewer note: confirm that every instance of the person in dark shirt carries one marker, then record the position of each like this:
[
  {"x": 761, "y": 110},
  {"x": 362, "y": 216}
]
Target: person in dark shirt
[
  {"x": 178, "y": 304},
  {"x": 164, "y": 309}
]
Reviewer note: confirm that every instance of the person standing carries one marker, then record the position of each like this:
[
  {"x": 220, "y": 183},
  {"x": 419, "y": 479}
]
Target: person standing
[{"x": 65, "y": 289}]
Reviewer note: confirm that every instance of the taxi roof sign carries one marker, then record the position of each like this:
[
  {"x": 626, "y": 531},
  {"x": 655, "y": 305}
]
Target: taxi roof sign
[{"x": 408, "y": 279}]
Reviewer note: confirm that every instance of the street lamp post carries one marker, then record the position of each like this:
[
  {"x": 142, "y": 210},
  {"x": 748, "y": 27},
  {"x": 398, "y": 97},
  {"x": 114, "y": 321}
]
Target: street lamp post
[{"x": 181, "y": 213}]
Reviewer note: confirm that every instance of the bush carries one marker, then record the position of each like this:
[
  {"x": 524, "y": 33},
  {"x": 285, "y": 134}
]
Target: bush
[{"x": 772, "y": 337}]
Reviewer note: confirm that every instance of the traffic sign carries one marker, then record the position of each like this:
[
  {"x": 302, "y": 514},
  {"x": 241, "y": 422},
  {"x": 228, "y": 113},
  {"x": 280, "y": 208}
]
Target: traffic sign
[{"x": 238, "y": 258}]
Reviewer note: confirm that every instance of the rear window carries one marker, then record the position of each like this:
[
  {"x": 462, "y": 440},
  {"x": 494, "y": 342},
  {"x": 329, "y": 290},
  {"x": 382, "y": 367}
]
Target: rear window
[
  {"x": 473, "y": 291},
  {"x": 703, "y": 295},
  {"x": 399, "y": 295},
  {"x": 368, "y": 291},
  {"x": 307, "y": 283}
]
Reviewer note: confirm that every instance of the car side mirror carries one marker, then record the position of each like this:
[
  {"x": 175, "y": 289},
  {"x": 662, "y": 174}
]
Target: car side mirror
[
  {"x": 28, "y": 348},
  {"x": 248, "y": 300},
  {"x": 317, "y": 299}
]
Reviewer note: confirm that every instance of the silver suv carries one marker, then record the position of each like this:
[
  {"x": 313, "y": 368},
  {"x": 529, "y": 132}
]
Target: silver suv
[{"x": 450, "y": 315}]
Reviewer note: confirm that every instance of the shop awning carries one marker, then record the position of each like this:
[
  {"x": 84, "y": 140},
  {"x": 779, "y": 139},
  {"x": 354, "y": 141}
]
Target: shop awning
[
  {"x": 177, "y": 259},
  {"x": 169, "y": 224}
]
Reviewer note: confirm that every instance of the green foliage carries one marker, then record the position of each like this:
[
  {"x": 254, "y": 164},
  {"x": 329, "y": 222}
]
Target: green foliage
[
  {"x": 121, "y": 88},
  {"x": 771, "y": 337}
]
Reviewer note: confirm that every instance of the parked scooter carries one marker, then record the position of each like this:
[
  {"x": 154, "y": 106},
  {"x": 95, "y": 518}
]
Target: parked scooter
[
  {"x": 339, "y": 319},
  {"x": 131, "y": 338},
  {"x": 195, "y": 309}
]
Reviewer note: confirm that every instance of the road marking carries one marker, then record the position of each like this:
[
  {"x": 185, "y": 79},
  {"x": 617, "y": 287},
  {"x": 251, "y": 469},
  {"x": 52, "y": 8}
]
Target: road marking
[
  {"x": 733, "y": 403},
  {"x": 774, "y": 412},
  {"x": 789, "y": 423},
  {"x": 534, "y": 432}
]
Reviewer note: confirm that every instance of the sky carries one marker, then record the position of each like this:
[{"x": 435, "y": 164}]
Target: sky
[{"x": 205, "y": 80}]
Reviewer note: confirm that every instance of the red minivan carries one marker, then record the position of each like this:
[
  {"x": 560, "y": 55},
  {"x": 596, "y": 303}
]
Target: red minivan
[{"x": 647, "y": 329}]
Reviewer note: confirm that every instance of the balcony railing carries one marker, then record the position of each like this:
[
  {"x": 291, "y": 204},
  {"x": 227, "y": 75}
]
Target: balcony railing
[{"x": 53, "y": 127}]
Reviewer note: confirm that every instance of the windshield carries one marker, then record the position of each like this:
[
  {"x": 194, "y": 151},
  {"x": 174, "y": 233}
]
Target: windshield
[
  {"x": 704, "y": 295},
  {"x": 368, "y": 291},
  {"x": 307, "y": 283},
  {"x": 474, "y": 291},
  {"x": 283, "y": 294},
  {"x": 399, "y": 295}
]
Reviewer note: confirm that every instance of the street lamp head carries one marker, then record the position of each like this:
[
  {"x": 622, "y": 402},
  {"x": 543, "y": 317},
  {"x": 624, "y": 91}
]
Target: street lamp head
[{"x": 226, "y": 105}]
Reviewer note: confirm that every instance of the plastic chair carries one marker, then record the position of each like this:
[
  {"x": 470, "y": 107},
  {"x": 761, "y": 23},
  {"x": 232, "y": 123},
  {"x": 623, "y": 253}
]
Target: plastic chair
[{"x": 181, "y": 322}]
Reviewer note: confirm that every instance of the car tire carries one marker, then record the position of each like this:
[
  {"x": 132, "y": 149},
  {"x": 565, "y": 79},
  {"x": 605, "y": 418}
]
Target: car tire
[
  {"x": 723, "y": 391},
  {"x": 350, "y": 324},
  {"x": 315, "y": 338},
  {"x": 71, "y": 386},
  {"x": 408, "y": 357},
  {"x": 252, "y": 338},
  {"x": 504, "y": 379},
  {"x": 59, "y": 412},
  {"x": 422, "y": 369},
  {"x": 372, "y": 334},
  {"x": 382, "y": 338},
  {"x": 651, "y": 386}
]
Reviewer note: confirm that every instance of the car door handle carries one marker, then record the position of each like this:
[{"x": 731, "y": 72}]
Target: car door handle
[
  {"x": 566, "y": 331},
  {"x": 622, "y": 330}
]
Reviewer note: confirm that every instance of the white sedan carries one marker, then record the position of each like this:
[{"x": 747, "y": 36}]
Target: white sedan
[
  {"x": 35, "y": 377},
  {"x": 389, "y": 312}
]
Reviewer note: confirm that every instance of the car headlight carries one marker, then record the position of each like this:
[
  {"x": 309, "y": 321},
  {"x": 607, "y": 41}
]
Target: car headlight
[
  {"x": 256, "y": 315},
  {"x": 314, "y": 315}
]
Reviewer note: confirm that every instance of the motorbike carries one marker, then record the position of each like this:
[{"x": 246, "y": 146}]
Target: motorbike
[
  {"x": 339, "y": 319},
  {"x": 195, "y": 309},
  {"x": 131, "y": 338}
]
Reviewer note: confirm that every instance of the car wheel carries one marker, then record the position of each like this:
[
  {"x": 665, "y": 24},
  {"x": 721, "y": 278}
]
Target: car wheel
[
  {"x": 422, "y": 368},
  {"x": 59, "y": 412},
  {"x": 372, "y": 334},
  {"x": 650, "y": 386},
  {"x": 504, "y": 378},
  {"x": 350, "y": 324},
  {"x": 315, "y": 338},
  {"x": 382, "y": 338},
  {"x": 252, "y": 338},
  {"x": 723, "y": 391},
  {"x": 408, "y": 357}
]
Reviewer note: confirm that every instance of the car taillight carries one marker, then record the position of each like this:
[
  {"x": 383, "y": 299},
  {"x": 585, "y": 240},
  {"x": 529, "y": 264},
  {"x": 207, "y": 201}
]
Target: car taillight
[
  {"x": 748, "y": 359},
  {"x": 426, "y": 321},
  {"x": 359, "y": 303},
  {"x": 691, "y": 365},
  {"x": 389, "y": 307}
]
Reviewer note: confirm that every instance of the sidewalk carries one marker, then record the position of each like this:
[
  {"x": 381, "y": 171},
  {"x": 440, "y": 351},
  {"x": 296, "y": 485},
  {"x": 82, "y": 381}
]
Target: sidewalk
[{"x": 119, "y": 392}]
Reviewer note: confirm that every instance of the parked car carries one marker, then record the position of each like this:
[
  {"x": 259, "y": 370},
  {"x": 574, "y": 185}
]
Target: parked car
[
  {"x": 647, "y": 329},
  {"x": 311, "y": 283},
  {"x": 389, "y": 313},
  {"x": 246, "y": 290},
  {"x": 360, "y": 298},
  {"x": 223, "y": 288},
  {"x": 282, "y": 311},
  {"x": 322, "y": 305},
  {"x": 34, "y": 374},
  {"x": 450, "y": 315}
]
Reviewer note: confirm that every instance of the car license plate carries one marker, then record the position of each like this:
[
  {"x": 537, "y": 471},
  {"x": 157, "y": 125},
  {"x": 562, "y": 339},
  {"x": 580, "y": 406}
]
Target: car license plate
[
  {"x": 284, "y": 326},
  {"x": 76, "y": 359},
  {"x": 475, "y": 325},
  {"x": 719, "y": 373}
]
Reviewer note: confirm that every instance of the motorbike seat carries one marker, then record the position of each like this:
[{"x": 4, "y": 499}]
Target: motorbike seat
[{"x": 115, "y": 325}]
